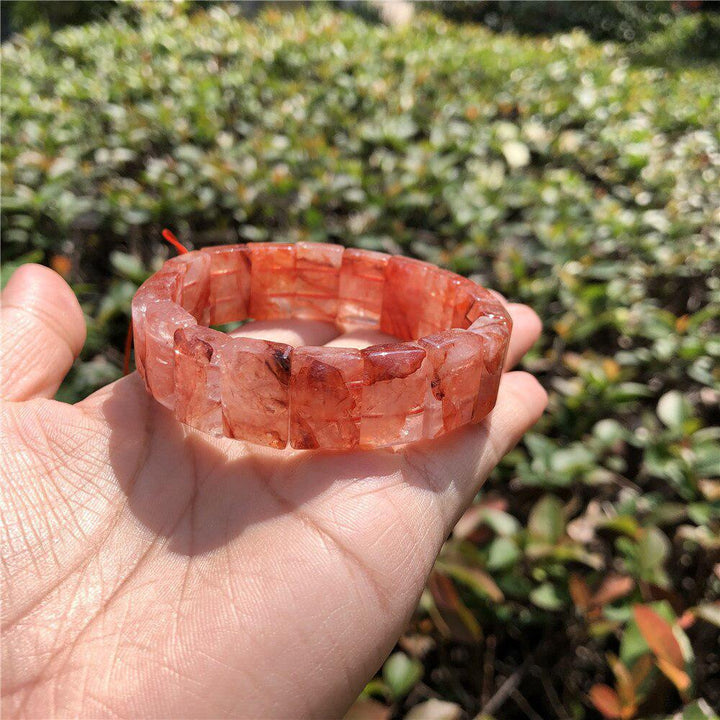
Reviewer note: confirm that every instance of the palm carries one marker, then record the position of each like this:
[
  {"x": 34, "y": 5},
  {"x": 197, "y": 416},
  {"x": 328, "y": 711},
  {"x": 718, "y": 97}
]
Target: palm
[{"x": 151, "y": 571}]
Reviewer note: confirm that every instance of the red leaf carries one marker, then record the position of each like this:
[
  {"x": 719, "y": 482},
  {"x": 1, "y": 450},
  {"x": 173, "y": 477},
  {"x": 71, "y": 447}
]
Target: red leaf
[
  {"x": 606, "y": 700},
  {"x": 679, "y": 678},
  {"x": 687, "y": 619},
  {"x": 658, "y": 634},
  {"x": 579, "y": 592},
  {"x": 623, "y": 682},
  {"x": 453, "y": 612},
  {"x": 640, "y": 670},
  {"x": 613, "y": 588}
]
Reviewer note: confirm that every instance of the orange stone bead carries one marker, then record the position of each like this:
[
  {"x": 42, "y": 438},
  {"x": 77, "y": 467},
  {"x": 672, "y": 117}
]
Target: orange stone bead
[
  {"x": 163, "y": 285},
  {"x": 229, "y": 283},
  {"x": 395, "y": 388},
  {"x": 254, "y": 387},
  {"x": 198, "y": 352},
  {"x": 162, "y": 320},
  {"x": 360, "y": 290},
  {"x": 272, "y": 280},
  {"x": 457, "y": 375},
  {"x": 403, "y": 297},
  {"x": 195, "y": 270},
  {"x": 316, "y": 284},
  {"x": 325, "y": 396}
]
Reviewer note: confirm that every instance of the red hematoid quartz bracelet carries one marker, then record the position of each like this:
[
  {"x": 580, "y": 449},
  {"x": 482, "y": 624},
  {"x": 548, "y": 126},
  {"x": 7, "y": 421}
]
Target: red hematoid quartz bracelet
[{"x": 443, "y": 374}]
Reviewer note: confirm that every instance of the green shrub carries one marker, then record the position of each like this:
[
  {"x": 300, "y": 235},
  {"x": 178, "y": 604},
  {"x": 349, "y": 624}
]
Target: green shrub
[{"x": 556, "y": 170}]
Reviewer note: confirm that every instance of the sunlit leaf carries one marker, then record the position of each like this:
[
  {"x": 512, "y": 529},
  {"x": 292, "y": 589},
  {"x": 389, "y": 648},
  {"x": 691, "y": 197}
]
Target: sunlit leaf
[
  {"x": 435, "y": 710},
  {"x": 658, "y": 634},
  {"x": 401, "y": 673},
  {"x": 606, "y": 700}
]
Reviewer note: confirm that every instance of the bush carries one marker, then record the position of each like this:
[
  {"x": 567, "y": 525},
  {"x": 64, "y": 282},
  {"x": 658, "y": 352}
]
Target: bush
[{"x": 555, "y": 170}]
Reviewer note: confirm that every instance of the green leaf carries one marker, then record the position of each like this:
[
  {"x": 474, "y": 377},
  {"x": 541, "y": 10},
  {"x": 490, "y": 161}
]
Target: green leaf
[
  {"x": 401, "y": 673},
  {"x": 501, "y": 522},
  {"x": 674, "y": 409},
  {"x": 128, "y": 266},
  {"x": 474, "y": 578},
  {"x": 435, "y": 710},
  {"x": 502, "y": 553},
  {"x": 547, "y": 520},
  {"x": 653, "y": 549},
  {"x": 546, "y": 596},
  {"x": 699, "y": 710},
  {"x": 710, "y": 612}
]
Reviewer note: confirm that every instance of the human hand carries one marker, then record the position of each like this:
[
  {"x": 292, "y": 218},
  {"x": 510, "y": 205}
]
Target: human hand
[{"x": 152, "y": 571}]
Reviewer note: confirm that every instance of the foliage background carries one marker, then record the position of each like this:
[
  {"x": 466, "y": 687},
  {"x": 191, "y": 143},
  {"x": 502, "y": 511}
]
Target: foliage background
[{"x": 579, "y": 175}]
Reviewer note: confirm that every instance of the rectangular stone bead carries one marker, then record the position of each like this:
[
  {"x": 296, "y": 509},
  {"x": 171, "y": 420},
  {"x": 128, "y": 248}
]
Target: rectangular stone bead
[
  {"x": 457, "y": 374},
  {"x": 198, "y": 354},
  {"x": 162, "y": 319},
  {"x": 325, "y": 397},
  {"x": 403, "y": 299},
  {"x": 471, "y": 301},
  {"x": 395, "y": 388},
  {"x": 461, "y": 296},
  {"x": 229, "y": 283},
  {"x": 316, "y": 284},
  {"x": 495, "y": 336},
  {"x": 360, "y": 290},
  {"x": 163, "y": 286},
  {"x": 436, "y": 309},
  {"x": 272, "y": 280},
  {"x": 195, "y": 295},
  {"x": 254, "y": 387}
]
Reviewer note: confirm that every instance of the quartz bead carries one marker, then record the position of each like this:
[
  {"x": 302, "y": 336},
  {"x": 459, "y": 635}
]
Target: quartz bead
[
  {"x": 325, "y": 396},
  {"x": 162, "y": 319},
  {"x": 316, "y": 285},
  {"x": 254, "y": 386},
  {"x": 402, "y": 304},
  {"x": 395, "y": 387},
  {"x": 360, "y": 291},
  {"x": 229, "y": 283},
  {"x": 194, "y": 267},
  {"x": 272, "y": 280},
  {"x": 198, "y": 356},
  {"x": 164, "y": 285},
  {"x": 457, "y": 374}
]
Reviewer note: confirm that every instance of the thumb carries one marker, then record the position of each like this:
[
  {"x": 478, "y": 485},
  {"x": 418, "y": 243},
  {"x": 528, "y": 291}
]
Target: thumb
[{"x": 42, "y": 332}]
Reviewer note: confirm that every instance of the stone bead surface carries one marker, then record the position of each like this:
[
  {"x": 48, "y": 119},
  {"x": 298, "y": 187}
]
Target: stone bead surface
[
  {"x": 360, "y": 289},
  {"x": 198, "y": 353},
  {"x": 316, "y": 284},
  {"x": 272, "y": 280},
  {"x": 436, "y": 307},
  {"x": 495, "y": 339},
  {"x": 254, "y": 387},
  {"x": 325, "y": 397},
  {"x": 457, "y": 375},
  {"x": 194, "y": 268},
  {"x": 229, "y": 283},
  {"x": 402, "y": 303},
  {"x": 162, "y": 320},
  {"x": 395, "y": 388},
  {"x": 163, "y": 285}
]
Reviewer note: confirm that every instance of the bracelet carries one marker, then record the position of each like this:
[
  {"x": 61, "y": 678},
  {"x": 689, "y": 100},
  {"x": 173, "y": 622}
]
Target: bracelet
[{"x": 444, "y": 372}]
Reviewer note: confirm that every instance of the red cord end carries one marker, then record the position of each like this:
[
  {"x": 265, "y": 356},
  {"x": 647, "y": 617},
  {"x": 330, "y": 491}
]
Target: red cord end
[{"x": 174, "y": 241}]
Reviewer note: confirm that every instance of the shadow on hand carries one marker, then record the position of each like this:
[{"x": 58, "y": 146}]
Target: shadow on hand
[{"x": 201, "y": 492}]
